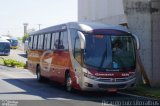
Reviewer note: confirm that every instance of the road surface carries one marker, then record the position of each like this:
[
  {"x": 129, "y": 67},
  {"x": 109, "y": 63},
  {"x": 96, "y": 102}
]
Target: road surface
[
  {"x": 20, "y": 84},
  {"x": 17, "y": 54}
]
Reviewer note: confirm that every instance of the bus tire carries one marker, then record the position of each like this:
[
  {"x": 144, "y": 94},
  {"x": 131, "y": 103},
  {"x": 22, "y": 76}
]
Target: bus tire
[
  {"x": 40, "y": 78},
  {"x": 68, "y": 82}
]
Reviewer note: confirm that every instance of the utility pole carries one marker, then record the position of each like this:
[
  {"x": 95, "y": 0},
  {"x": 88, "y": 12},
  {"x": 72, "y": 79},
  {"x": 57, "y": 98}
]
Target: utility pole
[
  {"x": 25, "y": 28},
  {"x": 39, "y": 26}
]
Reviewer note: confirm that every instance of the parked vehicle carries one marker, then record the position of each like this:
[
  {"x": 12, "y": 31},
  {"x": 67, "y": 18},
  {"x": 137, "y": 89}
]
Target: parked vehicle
[
  {"x": 4, "y": 47},
  {"x": 84, "y": 56},
  {"x": 14, "y": 43}
]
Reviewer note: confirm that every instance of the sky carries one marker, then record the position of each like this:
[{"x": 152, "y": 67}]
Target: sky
[{"x": 13, "y": 13}]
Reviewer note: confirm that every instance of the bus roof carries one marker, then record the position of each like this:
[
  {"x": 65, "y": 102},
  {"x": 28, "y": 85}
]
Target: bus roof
[
  {"x": 82, "y": 26},
  {"x": 4, "y": 40},
  {"x": 5, "y": 37},
  {"x": 13, "y": 38}
]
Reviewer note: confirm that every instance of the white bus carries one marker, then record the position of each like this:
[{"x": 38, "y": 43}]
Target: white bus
[{"x": 84, "y": 56}]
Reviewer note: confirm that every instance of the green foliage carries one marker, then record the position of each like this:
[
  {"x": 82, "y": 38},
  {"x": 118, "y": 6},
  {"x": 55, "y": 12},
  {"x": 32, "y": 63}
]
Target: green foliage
[
  {"x": 13, "y": 63},
  {"x": 19, "y": 38},
  {"x": 25, "y": 37},
  {"x": 1, "y": 60}
]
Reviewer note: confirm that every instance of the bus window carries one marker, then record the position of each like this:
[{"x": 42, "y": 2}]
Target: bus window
[
  {"x": 63, "y": 44},
  {"x": 40, "y": 41},
  {"x": 48, "y": 41},
  {"x": 30, "y": 42},
  {"x": 74, "y": 34},
  {"x": 123, "y": 51},
  {"x": 35, "y": 42},
  {"x": 45, "y": 41},
  {"x": 56, "y": 40},
  {"x": 52, "y": 41},
  {"x": 77, "y": 50}
]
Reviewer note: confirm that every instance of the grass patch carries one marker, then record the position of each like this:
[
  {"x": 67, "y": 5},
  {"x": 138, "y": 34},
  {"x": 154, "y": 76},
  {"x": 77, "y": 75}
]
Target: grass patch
[
  {"x": 148, "y": 90},
  {"x": 1, "y": 61},
  {"x": 145, "y": 90},
  {"x": 12, "y": 63}
]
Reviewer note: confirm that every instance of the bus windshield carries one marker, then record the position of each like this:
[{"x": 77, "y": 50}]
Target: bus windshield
[
  {"x": 14, "y": 41},
  {"x": 109, "y": 52}
]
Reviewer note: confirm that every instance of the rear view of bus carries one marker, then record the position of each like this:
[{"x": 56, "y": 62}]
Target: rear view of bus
[{"x": 105, "y": 57}]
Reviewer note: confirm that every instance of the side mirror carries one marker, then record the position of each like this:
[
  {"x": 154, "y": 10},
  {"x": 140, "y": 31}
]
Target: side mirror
[
  {"x": 137, "y": 41},
  {"x": 82, "y": 39}
]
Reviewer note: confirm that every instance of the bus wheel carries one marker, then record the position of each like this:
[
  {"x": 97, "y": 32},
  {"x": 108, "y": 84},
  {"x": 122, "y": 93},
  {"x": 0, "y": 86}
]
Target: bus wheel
[
  {"x": 38, "y": 73},
  {"x": 68, "y": 82}
]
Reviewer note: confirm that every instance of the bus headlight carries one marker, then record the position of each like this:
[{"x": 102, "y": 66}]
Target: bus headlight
[{"x": 89, "y": 76}]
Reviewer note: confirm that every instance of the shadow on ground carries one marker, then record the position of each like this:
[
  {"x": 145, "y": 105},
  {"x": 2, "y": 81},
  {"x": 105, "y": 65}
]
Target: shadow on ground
[
  {"x": 50, "y": 90},
  {"x": 23, "y": 55}
]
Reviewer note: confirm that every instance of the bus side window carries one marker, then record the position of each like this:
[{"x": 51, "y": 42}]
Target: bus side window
[
  {"x": 56, "y": 40},
  {"x": 77, "y": 50},
  {"x": 35, "y": 42},
  {"x": 48, "y": 41},
  {"x": 63, "y": 44},
  {"x": 52, "y": 41},
  {"x": 45, "y": 41},
  {"x": 40, "y": 41},
  {"x": 30, "y": 42}
]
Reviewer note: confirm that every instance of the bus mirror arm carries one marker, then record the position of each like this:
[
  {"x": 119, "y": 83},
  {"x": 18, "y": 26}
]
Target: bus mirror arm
[
  {"x": 82, "y": 39},
  {"x": 137, "y": 41}
]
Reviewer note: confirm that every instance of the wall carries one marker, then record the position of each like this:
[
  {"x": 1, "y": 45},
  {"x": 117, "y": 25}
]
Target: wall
[
  {"x": 105, "y": 11},
  {"x": 155, "y": 4},
  {"x": 143, "y": 19},
  {"x": 138, "y": 17}
]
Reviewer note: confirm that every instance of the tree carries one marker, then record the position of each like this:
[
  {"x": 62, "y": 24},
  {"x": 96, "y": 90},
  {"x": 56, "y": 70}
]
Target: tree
[{"x": 25, "y": 37}]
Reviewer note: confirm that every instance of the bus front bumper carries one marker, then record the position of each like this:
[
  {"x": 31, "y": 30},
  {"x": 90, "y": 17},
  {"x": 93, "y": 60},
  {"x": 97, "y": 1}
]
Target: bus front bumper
[
  {"x": 93, "y": 85},
  {"x": 4, "y": 53},
  {"x": 14, "y": 47}
]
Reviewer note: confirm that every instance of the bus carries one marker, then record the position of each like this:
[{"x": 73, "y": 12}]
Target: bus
[
  {"x": 14, "y": 43},
  {"x": 4, "y": 47},
  {"x": 84, "y": 56}
]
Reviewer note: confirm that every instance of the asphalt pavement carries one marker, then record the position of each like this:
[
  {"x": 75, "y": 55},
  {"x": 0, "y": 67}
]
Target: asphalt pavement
[{"x": 20, "y": 84}]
